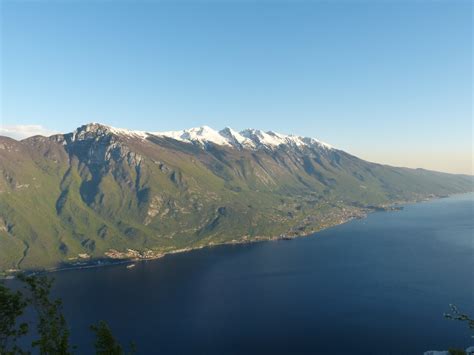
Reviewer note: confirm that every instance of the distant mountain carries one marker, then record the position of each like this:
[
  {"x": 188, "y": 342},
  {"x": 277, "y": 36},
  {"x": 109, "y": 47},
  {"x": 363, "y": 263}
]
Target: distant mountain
[
  {"x": 252, "y": 139},
  {"x": 101, "y": 192}
]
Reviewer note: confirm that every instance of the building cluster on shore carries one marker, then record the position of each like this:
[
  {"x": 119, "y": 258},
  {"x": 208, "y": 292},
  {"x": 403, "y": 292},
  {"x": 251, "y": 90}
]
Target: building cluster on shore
[{"x": 132, "y": 254}]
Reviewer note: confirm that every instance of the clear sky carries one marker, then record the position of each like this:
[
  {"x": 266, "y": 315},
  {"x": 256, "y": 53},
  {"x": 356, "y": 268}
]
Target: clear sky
[{"x": 389, "y": 81}]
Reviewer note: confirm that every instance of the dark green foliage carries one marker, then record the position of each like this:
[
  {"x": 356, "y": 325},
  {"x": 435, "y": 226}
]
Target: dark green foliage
[
  {"x": 52, "y": 328},
  {"x": 456, "y": 352},
  {"x": 12, "y": 306},
  {"x": 53, "y": 333},
  {"x": 105, "y": 343},
  {"x": 455, "y": 314}
]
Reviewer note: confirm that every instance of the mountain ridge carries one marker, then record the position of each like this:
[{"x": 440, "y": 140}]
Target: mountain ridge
[
  {"x": 100, "y": 191},
  {"x": 227, "y": 133},
  {"x": 247, "y": 138}
]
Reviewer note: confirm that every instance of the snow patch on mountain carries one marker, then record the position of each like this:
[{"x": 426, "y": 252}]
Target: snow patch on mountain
[
  {"x": 246, "y": 139},
  {"x": 82, "y": 132},
  {"x": 236, "y": 138},
  {"x": 203, "y": 134},
  {"x": 127, "y": 132}
]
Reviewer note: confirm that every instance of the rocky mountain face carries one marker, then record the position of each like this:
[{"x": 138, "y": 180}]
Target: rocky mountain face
[{"x": 102, "y": 192}]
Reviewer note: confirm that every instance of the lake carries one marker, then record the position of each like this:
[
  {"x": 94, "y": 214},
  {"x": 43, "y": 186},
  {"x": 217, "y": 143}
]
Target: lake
[{"x": 374, "y": 286}]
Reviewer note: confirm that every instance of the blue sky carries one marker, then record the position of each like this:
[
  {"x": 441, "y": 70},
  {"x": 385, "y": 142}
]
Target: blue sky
[{"x": 389, "y": 81}]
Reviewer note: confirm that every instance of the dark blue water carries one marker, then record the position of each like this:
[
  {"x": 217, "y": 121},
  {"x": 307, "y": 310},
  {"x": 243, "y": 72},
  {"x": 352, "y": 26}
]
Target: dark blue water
[{"x": 373, "y": 286}]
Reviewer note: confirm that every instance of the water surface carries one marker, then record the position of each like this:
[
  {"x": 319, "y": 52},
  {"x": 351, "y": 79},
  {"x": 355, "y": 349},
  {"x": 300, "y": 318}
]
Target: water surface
[{"x": 378, "y": 285}]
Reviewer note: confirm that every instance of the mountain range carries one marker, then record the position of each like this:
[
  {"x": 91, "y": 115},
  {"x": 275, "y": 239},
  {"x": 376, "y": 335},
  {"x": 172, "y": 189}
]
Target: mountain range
[{"x": 102, "y": 193}]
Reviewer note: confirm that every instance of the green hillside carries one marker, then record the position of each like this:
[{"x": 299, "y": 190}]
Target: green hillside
[{"x": 75, "y": 197}]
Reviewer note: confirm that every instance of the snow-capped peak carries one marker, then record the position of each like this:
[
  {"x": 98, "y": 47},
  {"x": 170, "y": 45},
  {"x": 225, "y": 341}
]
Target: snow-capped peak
[
  {"x": 236, "y": 138},
  {"x": 203, "y": 134},
  {"x": 95, "y": 127},
  {"x": 261, "y": 138},
  {"x": 246, "y": 139}
]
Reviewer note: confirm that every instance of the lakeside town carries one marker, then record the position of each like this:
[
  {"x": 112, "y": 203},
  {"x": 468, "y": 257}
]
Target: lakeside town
[{"x": 307, "y": 227}]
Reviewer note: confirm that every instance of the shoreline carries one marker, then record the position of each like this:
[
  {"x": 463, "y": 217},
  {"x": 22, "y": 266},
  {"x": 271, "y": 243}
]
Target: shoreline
[{"x": 103, "y": 262}]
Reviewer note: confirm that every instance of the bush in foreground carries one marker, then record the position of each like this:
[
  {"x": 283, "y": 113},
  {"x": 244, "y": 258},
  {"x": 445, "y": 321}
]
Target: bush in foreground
[{"x": 53, "y": 336}]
